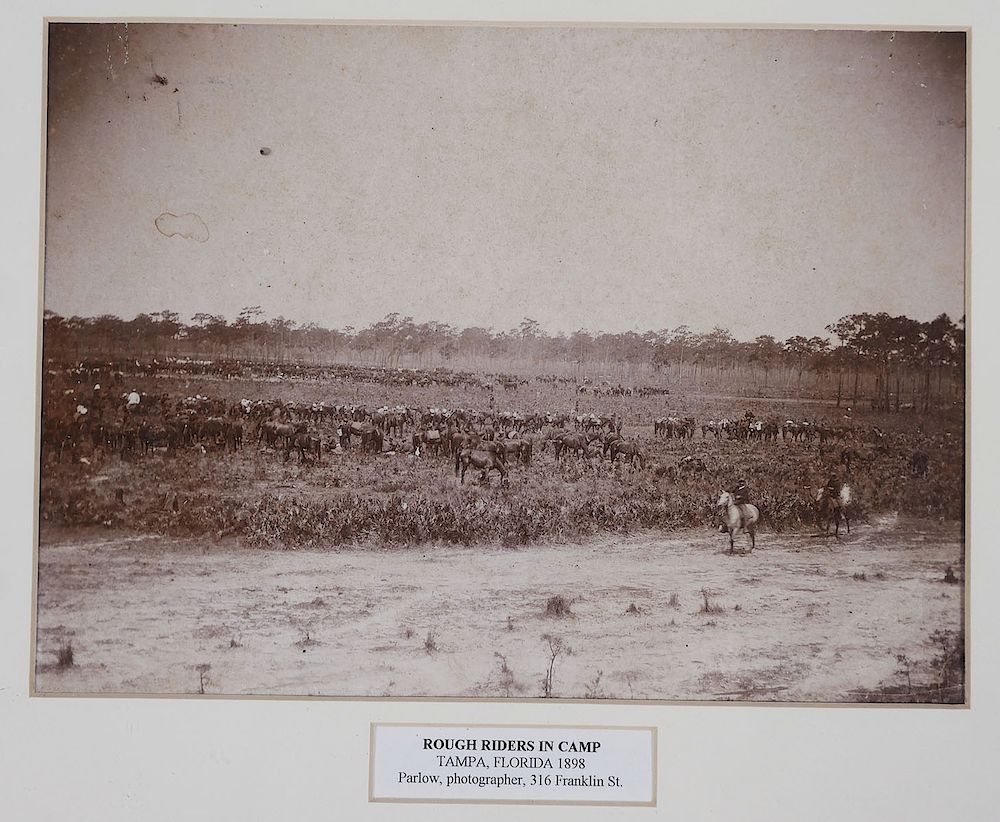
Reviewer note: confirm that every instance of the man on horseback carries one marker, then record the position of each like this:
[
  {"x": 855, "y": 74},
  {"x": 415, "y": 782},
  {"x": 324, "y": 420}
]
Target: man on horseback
[
  {"x": 741, "y": 496},
  {"x": 739, "y": 515},
  {"x": 832, "y": 503},
  {"x": 831, "y": 491},
  {"x": 132, "y": 400},
  {"x": 741, "y": 493}
]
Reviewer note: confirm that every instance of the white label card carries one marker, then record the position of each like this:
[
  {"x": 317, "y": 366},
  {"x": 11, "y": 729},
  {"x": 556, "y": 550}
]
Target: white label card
[{"x": 526, "y": 764}]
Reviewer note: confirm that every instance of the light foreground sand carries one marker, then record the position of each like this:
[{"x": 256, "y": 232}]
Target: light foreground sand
[{"x": 789, "y": 622}]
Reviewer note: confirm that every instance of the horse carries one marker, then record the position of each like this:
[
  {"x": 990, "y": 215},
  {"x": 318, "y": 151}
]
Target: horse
[
  {"x": 266, "y": 433},
  {"x": 609, "y": 441},
  {"x": 153, "y": 436},
  {"x": 571, "y": 443},
  {"x": 392, "y": 424},
  {"x": 770, "y": 432},
  {"x": 347, "y": 428},
  {"x": 628, "y": 449},
  {"x": 234, "y": 437},
  {"x": 519, "y": 450},
  {"x": 791, "y": 430},
  {"x": 551, "y": 435},
  {"x": 712, "y": 428},
  {"x": 486, "y": 460},
  {"x": 739, "y": 518},
  {"x": 372, "y": 439},
  {"x": 304, "y": 443},
  {"x": 215, "y": 430},
  {"x": 424, "y": 440},
  {"x": 458, "y": 440},
  {"x": 835, "y": 508},
  {"x": 286, "y": 431}
]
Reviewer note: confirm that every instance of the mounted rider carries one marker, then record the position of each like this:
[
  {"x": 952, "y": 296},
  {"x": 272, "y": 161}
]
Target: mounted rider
[
  {"x": 831, "y": 491},
  {"x": 132, "y": 400},
  {"x": 741, "y": 496},
  {"x": 741, "y": 493}
]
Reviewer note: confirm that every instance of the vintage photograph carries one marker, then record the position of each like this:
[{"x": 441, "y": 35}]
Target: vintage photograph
[{"x": 503, "y": 362}]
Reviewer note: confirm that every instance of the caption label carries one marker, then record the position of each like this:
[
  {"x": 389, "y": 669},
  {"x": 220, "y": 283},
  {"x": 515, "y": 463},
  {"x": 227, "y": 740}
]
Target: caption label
[{"x": 501, "y": 763}]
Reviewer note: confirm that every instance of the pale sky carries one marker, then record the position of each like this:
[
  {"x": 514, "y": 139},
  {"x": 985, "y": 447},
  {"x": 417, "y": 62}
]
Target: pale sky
[{"x": 611, "y": 179}]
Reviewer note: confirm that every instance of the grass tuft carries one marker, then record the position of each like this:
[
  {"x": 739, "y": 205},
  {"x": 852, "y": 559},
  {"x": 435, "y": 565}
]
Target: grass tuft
[
  {"x": 64, "y": 656},
  {"x": 708, "y": 606}
]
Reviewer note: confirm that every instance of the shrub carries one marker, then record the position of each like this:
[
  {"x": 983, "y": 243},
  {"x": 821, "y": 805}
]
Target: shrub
[
  {"x": 202, "y": 670},
  {"x": 707, "y": 605},
  {"x": 64, "y": 655},
  {"x": 507, "y": 681},
  {"x": 557, "y": 607},
  {"x": 593, "y": 689},
  {"x": 556, "y": 649}
]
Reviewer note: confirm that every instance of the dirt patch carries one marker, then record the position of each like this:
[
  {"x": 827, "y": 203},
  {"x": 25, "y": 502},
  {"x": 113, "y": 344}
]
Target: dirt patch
[{"x": 463, "y": 609}]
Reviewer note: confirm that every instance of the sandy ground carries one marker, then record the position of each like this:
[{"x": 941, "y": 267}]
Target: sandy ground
[{"x": 789, "y": 622}]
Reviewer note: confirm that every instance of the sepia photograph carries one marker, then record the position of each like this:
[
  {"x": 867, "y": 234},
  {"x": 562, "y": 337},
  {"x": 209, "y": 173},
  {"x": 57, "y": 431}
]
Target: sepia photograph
[{"x": 504, "y": 362}]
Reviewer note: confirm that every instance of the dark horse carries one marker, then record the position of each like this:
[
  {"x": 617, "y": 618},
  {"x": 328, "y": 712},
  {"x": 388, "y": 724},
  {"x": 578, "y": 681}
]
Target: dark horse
[
  {"x": 572, "y": 443},
  {"x": 835, "y": 508},
  {"x": 486, "y": 460},
  {"x": 304, "y": 443},
  {"x": 517, "y": 449},
  {"x": 628, "y": 449}
]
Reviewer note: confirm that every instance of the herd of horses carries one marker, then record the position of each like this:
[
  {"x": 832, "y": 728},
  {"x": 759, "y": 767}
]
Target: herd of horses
[
  {"x": 487, "y": 441},
  {"x": 117, "y": 371},
  {"x": 494, "y": 438}
]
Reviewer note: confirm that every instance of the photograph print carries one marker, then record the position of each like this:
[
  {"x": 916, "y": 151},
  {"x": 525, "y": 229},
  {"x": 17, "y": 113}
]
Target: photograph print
[{"x": 503, "y": 362}]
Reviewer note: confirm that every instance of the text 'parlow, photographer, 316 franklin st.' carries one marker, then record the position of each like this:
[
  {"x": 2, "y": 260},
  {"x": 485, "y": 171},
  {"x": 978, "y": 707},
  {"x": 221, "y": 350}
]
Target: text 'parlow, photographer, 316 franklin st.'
[{"x": 521, "y": 764}]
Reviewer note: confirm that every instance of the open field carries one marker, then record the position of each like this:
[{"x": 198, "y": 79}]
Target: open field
[{"x": 793, "y": 621}]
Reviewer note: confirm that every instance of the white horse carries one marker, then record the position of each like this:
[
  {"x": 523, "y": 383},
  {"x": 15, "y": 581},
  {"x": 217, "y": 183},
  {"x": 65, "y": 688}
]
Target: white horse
[
  {"x": 739, "y": 518},
  {"x": 835, "y": 508}
]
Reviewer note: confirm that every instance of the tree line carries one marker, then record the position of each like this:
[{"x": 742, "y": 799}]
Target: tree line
[{"x": 891, "y": 361}]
